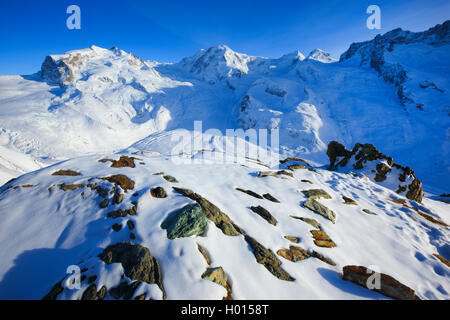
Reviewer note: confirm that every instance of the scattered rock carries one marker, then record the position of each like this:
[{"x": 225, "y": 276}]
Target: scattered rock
[
  {"x": 130, "y": 224},
  {"x": 262, "y": 174},
  {"x": 141, "y": 297},
  {"x": 286, "y": 173},
  {"x": 316, "y": 194},
  {"x": 158, "y": 192},
  {"x": 292, "y": 239},
  {"x": 122, "y": 180},
  {"x": 415, "y": 191},
  {"x": 220, "y": 219},
  {"x": 306, "y": 181},
  {"x": 250, "y": 192},
  {"x": 185, "y": 222},
  {"x": 124, "y": 161},
  {"x": 368, "y": 211},
  {"x": 309, "y": 221},
  {"x": 54, "y": 292},
  {"x": 204, "y": 254},
  {"x": 268, "y": 259},
  {"x": 319, "y": 208},
  {"x": 442, "y": 259},
  {"x": 216, "y": 275},
  {"x": 294, "y": 159},
  {"x": 349, "y": 201},
  {"x": 122, "y": 213},
  {"x": 90, "y": 293},
  {"x": 104, "y": 203},
  {"x": 265, "y": 214},
  {"x": 66, "y": 187},
  {"x": 321, "y": 239},
  {"x": 118, "y": 198},
  {"x": 124, "y": 290},
  {"x": 296, "y": 166},
  {"x": 389, "y": 286},
  {"x": 170, "y": 179},
  {"x": 136, "y": 260},
  {"x": 319, "y": 256},
  {"x": 92, "y": 279},
  {"x": 293, "y": 254},
  {"x": 269, "y": 197},
  {"x": 132, "y": 236},
  {"x": 65, "y": 173},
  {"x": 158, "y": 174}
]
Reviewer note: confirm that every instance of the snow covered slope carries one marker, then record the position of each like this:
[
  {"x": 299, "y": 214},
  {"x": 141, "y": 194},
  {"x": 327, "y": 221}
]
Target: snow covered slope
[{"x": 105, "y": 214}]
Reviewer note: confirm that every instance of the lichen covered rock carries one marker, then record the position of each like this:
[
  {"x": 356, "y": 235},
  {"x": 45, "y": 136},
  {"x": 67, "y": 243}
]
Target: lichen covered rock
[{"x": 185, "y": 222}]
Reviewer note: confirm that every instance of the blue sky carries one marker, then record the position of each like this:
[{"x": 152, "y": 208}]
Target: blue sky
[{"x": 168, "y": 30}]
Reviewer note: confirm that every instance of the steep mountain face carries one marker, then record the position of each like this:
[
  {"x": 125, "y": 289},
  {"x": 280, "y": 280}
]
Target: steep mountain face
[{"x": 322, "y": 56}]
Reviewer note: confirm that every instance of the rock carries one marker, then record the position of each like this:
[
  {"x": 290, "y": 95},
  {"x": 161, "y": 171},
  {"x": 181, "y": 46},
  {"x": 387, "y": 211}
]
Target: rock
[
  {"x": 382, "y": 169},
  {"x": 269, "y": 197},
  {"x": 123, "y": 181},
  {"x": 66, "y": 187},
  {"x": 118, "y": 198},
  {"x": 216, "y": 275},
  {"x": 319, "y": 256},
  {"x": 101, "y": 293},
  {"x": 90, "y": 293},
  {"x": 185, "y": 222},
  {"x": 170, "y": 179},
  {"x": 262, "y": 174},
  {"x": 250, "y": 192},
  {"x": 335, "y": 150},
  {"x": 309, "y": 221},
  {"x": 442, "y": 259},
  {"x": 124, "y": 161},
  {"x": 368, "y": 211},
  {"x": 158, "y": 174},
  {"x": 265, "y": 214},
  {"x": 268, "y": 259},
  {"x": 316, "y": 194},
  {"x": 130, "y": 224},
  {"x": 104, "y": 203},
  {"x": 349, "y": 201},
  {"x": 292, "y": 239},
  {"x": 293, "y": 254},
  {"x": 321, "y": 239},
  {"x": 319, "y": 208},
  {"x": 220, "y": 219},
  {"x": 158, "y": 192},
  {"x": 294, "y": 159},
  {"x": 306, "y": 181},
  {"x": 204, "y": 254},
  {"x": 65, "y": 173},
  {"x": 124, "y": 290},
  {"x": 136, "y": 260},
  {"x": 117, "y": 227},
  {"x": 415, "y": 191},
  {"x": 54, "y": 292},
  {"x": 389, "y": 286},
  {"x": 286, "y": 173},
  {"x": 141, "y": 297},
  {"x": 92, "y": 279},
  {"x": 122, "y": 213},
  {"x": 132, "y": 236},
  {"x": 296, "y": 166}
]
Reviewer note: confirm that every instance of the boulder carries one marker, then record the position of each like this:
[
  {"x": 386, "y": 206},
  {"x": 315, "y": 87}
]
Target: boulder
[
  {"x": 294, "y": 253},
  {"x": 292, "y": 239},
  {"x": 158, "y": 192},
  {"x": 265, "y": 214},
  {"x": 319, "y": 208},
  {"x": 309, "y": 221},
  {"x": 121, "y": 180},
  {"x": 216, "y": 275},
  {"x": 269, "y": 197},
  {"x": 321, "y": 239},
  {"x": 65, "y": 173},
  {"x": 170, "y": 179},
  {"x": 250, "y": 193},
  {"x": 124, "y": 161},
  {"x": 316, "y": 194},
  {"x": 185, "y": 222}
]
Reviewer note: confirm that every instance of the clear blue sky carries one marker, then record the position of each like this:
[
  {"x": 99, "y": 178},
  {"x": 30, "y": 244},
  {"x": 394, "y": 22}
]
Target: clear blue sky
[{"x": 168, "y": 30}]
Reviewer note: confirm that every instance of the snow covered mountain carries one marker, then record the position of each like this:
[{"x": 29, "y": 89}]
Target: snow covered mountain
[{"x": 149, "y": 207}]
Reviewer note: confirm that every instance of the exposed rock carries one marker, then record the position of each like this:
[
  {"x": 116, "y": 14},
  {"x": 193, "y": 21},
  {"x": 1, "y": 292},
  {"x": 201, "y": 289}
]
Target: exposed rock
[
  {"x": 349, "y": 201},
  {"x": 306, "y": 181},
  {"x": 294, "y": 159},
  {"x": 220, "y": 219},
  {"x": 296, "y": 166},
  {"x": 90, "y": 293},
  {"x": 415, "y": 191},
  {"x": 136, "y": 260},
  {"x": 368, "y": 211},
  {"x": 292, "y": 239},
  {"x": 309, "y": 221},
  {"x": 250, "y": 192},
  {"x": 124, "y": 161},
  {"x": 118, "y": 198},
  {"x": 204, "y": 254},
  {"x": 262, "y": 174},
  {"x": 185, "y": 222},
  {"x": 122, "y": 180},
  {"x": 101, "y": 293},
  {"x": 319, "y": 256},
  {"x": 265, "y": 214},
  {"x": 92, "y": 279},
  {"x": 321, "y": 239},
  {"x": 316, "y": 194},
  {"x": 170, "y": 179},
  {"x": 335, "y": 150},
  {"x": 124, "y": 290},
  {"x": 141, "y": 297},
  {"x": 54, "y": 292},
  {"x": 216, "y": 275},
  {"x": 130, "y": 224},
  {"x": 286, "y": 173},
  {"x": 122, "y": 213},
  {"x": 158, "y": 192},
  {"x": 442, "y": 259},
  {"x": 269, "y": 197},
  {"x": 389, "y": 286},
  {"x": 268, "y": 259},
  {"x": 293, "y": 254},
  {"x": 132, "y": 236},
  {"x": 158, "y": 174},
  {"x": 117, "y": 227},
  {"x": 66, "y": 187},
  {"x": 65, "y": 173},
  {"x": 104, "y": 203},
  {"x": 382, "y": 169},
  {"x": 319, "y": 208}
]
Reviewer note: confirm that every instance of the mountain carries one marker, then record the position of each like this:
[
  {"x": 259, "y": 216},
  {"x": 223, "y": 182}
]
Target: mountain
[{"x": 333, "y": 168}]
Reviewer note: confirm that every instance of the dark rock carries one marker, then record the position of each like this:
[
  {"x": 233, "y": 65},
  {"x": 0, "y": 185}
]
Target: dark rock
[
  {"x": 65, "y": 173},
  {"x": 349, "y": 201},
  {"x": 389, "y": 286},
  {"x": 117, "y": 227},
  {"x": 292, "y": 239},
  {"x": 415, "y": 191},
  {"x": 118, "y": 198},
  {"x": 132, "y": 236},
  {"x": 265, "y": 214},
  {"x": 158, "y": 192},
  {"x": 319, "y": 208},
  {"x": 104, "y": 203},
  {"x": 130, "y": 224},
  {"x": 268, "y": 259},
  {"x": 335, "y": 150},
  {"x": 90, "y": 293},
  {"x": 136, "y": 260},
  {"x": 101, "y": 293},
  {"x": 269, "y": 197},
  {"x": 306, "y": 181},
  {"x": 122, "y": 180},
  {"x": 319, "y": 256},
  {"x": 220, "y": 219},
  {"x": 368, "y": 211},
  {"x": 185, "y": 222},
  {"x": 124, "y": 290},
  {"x": 316, "y": 194},
  {"x": 204, "y": 254},
  {"x": 92, "y": 279},
  {"x": 250, "y": 193},
  {"x": 309, "y": 221},
  {"x": 170, "y": 179},
  {"x": 54, "y": 292},
  {"x": 122, "y": 213}
]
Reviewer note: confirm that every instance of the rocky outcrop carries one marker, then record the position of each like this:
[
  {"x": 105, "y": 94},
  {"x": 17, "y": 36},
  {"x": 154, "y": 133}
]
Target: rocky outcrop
[
  {"x": 292, "y": 239},
  {"x": 185, "y": 222},
  {"x": 218, "y": 275},
  {"x": 170, "y": 179},
  {"x": 65, "y": 173},
  {"x": 158, "y": 192},
  {"x": 121, "y": 180},
  {"x": 122, "y": 213},
  {"x": 321, "y": 239},
  {"x": 268, "y": 259},
  {"x": 250, "y": 193},
  {"x": 204, "y": 253},
  {"x": 319, "y": 208},
  {"x": 265, "y": 214},
  {"x": 363, "y": 155},
  {"x": 316, "y": 194},
  {"x": 220, "y": 219},
  {"x": 56, "y": 71},
  {"x": 136, "y": 260},
  {"x": 349, "y": 201},
  {"x": 311, "y": 222},
  {"x": 269, "y": 197},
  {"x": 388, "y": 285},
  {"x": 294, "y": 253},
  {"x": 124, "y": 161}
]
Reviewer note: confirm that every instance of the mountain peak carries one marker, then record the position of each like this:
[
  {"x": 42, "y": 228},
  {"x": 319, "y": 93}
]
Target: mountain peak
[{"x": 320, "y": 55}]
